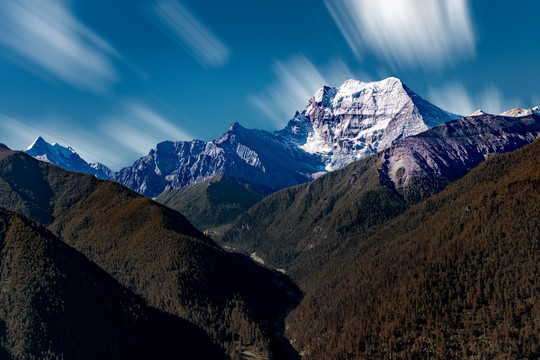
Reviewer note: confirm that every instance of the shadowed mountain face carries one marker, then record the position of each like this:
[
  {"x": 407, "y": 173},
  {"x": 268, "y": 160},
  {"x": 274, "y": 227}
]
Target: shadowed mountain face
[
  {"x": 155, "y": 252},
  {"x": 438, "y": 281},
  {"x": 454, "y": 277},
  {"x": 212, "y": 203},
  {"x": 57, "y": 304},
  {"x": 254, "y": 156},
  {"x": 297, "y": 229}
]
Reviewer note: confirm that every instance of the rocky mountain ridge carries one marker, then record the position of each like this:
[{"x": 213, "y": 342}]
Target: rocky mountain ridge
[
  {"x": 292, "y": 225},
  {"x": 66, "y": 158},
  {"x": 358, "y": 119},
  {"x": 338, "y": 126}
]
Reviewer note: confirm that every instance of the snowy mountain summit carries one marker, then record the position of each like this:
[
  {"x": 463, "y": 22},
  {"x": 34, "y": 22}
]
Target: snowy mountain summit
[
  {"x": 358, "y": 119},
  {"x": 338, "y": 126},
  {"x": 66, "y": 158},
  {"x": 518, "y": 112}
]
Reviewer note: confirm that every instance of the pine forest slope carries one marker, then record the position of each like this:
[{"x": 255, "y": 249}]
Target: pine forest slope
[
  {"x": 454, "y": 277},
  {"x": 213, "y": 202},
  {"x": 154, "y": 251},
  {"x": 57, "y": 304},
  {"x": 299, "y": 228}
]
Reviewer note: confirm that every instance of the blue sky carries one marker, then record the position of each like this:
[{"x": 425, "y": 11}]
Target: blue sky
[{"x": 114, "y": 78}]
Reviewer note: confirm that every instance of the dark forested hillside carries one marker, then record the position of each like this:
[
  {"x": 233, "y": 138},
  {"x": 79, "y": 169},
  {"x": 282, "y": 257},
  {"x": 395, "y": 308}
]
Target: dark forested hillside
[
  {"x": 57, "y": 304},
  {"x": 454, "y": 277},
  {"x": 155, "y": 252},
  {"x": 300, "y": 228},
  {"x": 212, "y": 203}
]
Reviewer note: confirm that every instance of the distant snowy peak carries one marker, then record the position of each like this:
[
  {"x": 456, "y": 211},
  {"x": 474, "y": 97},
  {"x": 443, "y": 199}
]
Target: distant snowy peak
[
  {"x": 518, "y": 112},
  {"x": 54, "y": 151},
  {"x": 358, "y": 119},
  {"x": 65, "y": 157},
  {"x": 479, "y": 112}
]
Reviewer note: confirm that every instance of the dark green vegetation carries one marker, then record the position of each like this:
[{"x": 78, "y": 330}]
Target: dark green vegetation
[
  {"x": 299, "y": 229},
  {"x": 57, "y": 304},
  {"x": 212, "y": 203},
  {"x": 390, "y": 265},
  {"x": 453, "y": 277},
  {"x": 154, "y": 252},
  {"x": 385, "y": 278}
]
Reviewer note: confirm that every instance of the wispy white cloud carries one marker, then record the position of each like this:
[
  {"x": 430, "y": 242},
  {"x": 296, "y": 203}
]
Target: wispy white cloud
[
  {"x": 535, "y": 100},
  {"x": 183, "y": 26},
  {"x": 115, "y": 140},
  {"x": 47, "y": 34},
  {"x": 20, "y": 132},
  {"x": 407, "y": 33},
  {"x": 454, "y": 97},
  {"x": 136, "y": 128},
  {"x": 297, "y": 79}
]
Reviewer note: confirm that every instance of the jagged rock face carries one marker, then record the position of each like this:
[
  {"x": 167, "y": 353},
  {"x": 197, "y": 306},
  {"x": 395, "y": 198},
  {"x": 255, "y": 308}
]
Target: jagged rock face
[
  {"x": 255, "y": 156},
  {"x": 358, "y": 119},
  {"x": 66, "y": 158},
  {"x": 339, "y": 126},
  {"x": 450, "y": 150}
]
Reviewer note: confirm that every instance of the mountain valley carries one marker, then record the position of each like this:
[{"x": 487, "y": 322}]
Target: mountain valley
[{"x": 378, "y": 226}]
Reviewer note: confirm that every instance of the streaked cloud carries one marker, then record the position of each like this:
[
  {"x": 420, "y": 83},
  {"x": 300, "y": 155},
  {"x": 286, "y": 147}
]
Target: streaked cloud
[
  {"x": 454, "y": 97},
  {"x": 137, "y": 129},
  {"x": 184, "y": 27},
  {"x": 297, "y": 79},
  {"x": 47, "y": 34},
  {"x": 20, "y": 132},
  {"x": 116, "y": 140},
  {"x": 407, "y": 33}
]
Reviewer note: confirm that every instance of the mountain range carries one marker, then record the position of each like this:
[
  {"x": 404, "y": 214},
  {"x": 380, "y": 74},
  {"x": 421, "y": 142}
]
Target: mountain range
[
  {"x": 338, "y": 126},
  {"x": 296, "y": 225},
  {"x": 421, "y": 242},
  {"x": 66, "y": 158},
  {"x": 348, "y": 237},
  {"x": 154, "y": 252},
  {"x": 453, "y": 277},
  {"x": 55, "y": 303}
]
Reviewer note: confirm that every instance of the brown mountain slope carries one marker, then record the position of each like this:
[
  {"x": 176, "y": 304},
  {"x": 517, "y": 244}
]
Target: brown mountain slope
[
  {"x": 212, "y": 203},
  {"x": 300, "y": 228},
  {"x": 57, "y": 304},
  {"x": 454, "y": 277},
  {"x": 153, "y": 251}
]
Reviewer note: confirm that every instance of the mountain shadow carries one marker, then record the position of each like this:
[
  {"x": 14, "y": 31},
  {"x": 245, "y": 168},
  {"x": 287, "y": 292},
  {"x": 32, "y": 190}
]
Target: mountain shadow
[
  {"x": 156, "y": 253},
  {"x": 55, "y": 304},
  {"x": 213, "y": 203}
]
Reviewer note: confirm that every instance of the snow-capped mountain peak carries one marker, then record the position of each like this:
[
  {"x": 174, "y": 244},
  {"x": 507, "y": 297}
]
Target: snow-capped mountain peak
[
  {"x": 358, "y": 119},
  {"x": 518, "y": 112},
  {"x": 65, "y": 157},
  {"x": 338, "y": 125},
  {"x": 38, "y": 142},
  {"x": 479, "y": 112}
]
